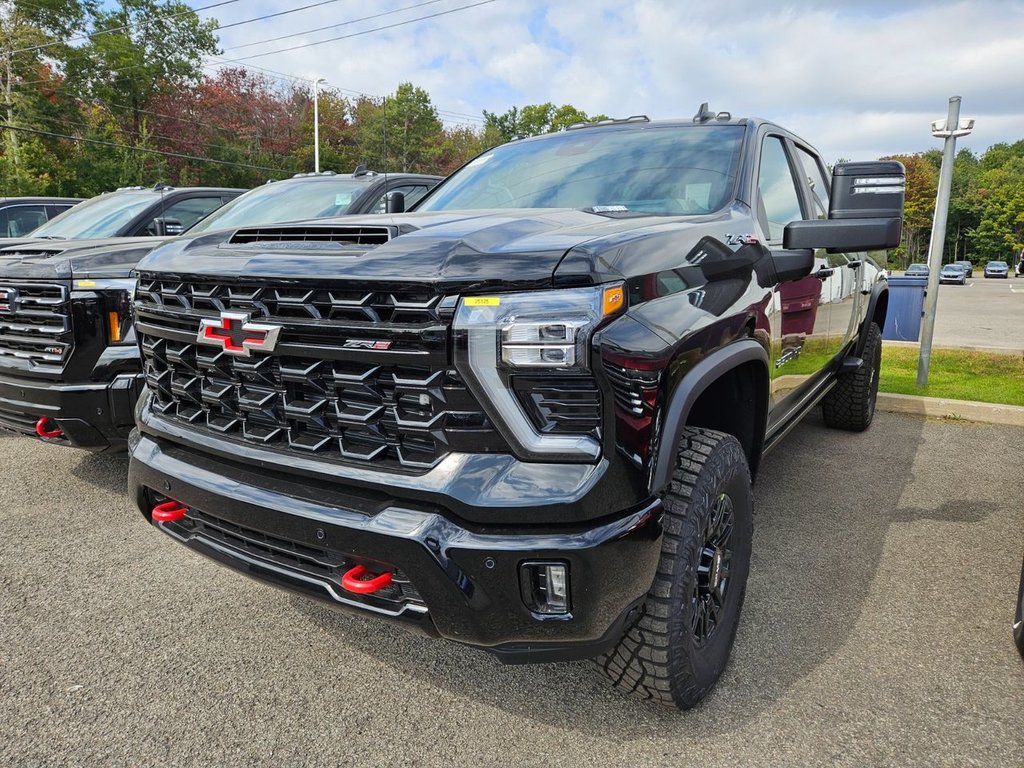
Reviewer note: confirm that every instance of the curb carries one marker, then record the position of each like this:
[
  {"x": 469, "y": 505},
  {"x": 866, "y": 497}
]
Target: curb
[{"x": 941, "y": 408}]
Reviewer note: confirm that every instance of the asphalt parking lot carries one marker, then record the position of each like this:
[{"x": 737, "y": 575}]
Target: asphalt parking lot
[
  {"x": 983, "y": 313},
  {"x": 876, "y": 632}
]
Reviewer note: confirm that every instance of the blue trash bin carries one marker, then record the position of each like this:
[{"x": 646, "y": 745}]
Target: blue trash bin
[{"x": 906, "y": 307}]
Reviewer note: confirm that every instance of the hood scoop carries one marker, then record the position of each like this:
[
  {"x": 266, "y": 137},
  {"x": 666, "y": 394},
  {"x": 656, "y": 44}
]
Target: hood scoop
[{"x": 342, "y": 235}]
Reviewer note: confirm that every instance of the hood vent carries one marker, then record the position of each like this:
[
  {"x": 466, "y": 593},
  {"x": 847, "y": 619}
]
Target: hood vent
[{"x": 347, "y": 235}]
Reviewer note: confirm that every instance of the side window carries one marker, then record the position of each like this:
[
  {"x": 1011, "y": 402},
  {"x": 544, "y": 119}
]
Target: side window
[
  {"x": 21, "y": 219},
  {"x": 188, "y": 212},
  {"x": 54, "y": 210},
  {"x": 817, "y": 180},
  {"x": 778, "y": 200}
]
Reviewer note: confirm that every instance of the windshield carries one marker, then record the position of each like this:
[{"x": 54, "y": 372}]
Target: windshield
[
  {"x": 284, "y": 201},
  {"x": 101, "y": 216},
  {"x": 661, "y": 170}
]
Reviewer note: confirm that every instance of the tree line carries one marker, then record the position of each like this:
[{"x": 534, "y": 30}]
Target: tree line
[{"x": 99, "y": 95}]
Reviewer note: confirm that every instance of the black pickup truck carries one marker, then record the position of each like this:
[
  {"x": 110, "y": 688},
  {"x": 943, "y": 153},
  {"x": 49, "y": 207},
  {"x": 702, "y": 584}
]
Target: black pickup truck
[
  {"x": 526, "y": 416},
  {"x": 70, "y": 371}
]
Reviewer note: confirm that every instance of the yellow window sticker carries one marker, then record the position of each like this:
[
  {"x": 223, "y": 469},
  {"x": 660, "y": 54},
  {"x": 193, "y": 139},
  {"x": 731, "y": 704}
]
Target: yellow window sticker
[{"x": 481, "y": 301}]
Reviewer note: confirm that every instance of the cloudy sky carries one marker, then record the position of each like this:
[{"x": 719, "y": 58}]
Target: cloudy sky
[{"x": 857, "y": 78}]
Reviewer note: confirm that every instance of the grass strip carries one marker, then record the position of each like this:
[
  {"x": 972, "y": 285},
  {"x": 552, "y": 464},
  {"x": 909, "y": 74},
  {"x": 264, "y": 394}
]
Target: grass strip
[{"x": 955, "y": 374}]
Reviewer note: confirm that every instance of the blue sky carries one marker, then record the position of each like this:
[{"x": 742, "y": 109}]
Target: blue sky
[{"x": 857, "y": 79}]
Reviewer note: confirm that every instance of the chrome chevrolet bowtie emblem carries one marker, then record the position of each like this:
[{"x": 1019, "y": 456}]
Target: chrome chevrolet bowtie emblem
[
  {"x": 233, "y": 333},
  {"x": 8, "y": 300}
]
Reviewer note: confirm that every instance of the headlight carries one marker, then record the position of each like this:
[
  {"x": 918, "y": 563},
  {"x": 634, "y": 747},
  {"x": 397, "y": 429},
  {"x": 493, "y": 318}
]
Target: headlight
[
  {"x": 537, "y": 332},
  {"x": 115, "y": 297}
]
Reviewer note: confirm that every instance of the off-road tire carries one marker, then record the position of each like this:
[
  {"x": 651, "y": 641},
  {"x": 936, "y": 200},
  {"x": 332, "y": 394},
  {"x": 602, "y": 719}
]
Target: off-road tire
[
  {"x": 850, "y": 405},
  {"x": 661, "y": 657}
]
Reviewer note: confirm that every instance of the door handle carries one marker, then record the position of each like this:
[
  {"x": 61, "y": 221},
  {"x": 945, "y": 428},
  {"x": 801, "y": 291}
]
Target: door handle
[
  {"x": 854, "y": 264},
  {"x": 824, "y": 272}
]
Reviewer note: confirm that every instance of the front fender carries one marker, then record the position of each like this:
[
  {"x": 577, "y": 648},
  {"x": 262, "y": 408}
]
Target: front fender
[{"x": 681, "y": 401}]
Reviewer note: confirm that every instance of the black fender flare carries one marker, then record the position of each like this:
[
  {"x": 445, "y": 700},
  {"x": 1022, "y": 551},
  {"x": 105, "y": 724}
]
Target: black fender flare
[
  {"x": 681, "y": 401},
  {"x": 880, "y": 288}
]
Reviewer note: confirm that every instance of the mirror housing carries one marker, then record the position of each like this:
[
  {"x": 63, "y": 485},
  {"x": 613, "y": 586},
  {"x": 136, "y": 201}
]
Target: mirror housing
[
  {"x": 166, "y": 227},
  {"x": 394, "y": 202},
  {"x": 865, "y": 210}
]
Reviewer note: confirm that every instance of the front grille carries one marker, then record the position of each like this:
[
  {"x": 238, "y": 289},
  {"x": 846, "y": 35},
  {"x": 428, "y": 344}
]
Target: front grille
[
  {"x": 316, "y": 233},
  {"x": 322, "y": 393},
  {"x": 17, "y": 421},
  {"x": 35, "y": 321},
  {"x": 282, "y": 303},
  {"x": 322, "y": 564}
]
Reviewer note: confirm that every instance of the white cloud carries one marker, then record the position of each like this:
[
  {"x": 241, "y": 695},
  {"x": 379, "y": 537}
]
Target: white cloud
[{"x": 855, "y": 78}]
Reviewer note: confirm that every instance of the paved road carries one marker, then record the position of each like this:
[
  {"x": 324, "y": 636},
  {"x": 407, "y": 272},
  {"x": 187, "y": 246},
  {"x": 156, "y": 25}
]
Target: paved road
[
  {"x": 982, "y": 313},
  {"x": 876, "y": 632}
]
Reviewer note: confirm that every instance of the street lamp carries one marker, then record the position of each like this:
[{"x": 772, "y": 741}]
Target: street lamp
[
  {"x": 316, "y": 124},
  {"x": 948, "y": 129}
]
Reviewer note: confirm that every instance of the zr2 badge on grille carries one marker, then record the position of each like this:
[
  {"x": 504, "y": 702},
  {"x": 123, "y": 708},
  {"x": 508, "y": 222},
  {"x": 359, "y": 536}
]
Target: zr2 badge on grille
[
  {"x": 366, "y": 344},
  {"x": 233, "y": 333}
]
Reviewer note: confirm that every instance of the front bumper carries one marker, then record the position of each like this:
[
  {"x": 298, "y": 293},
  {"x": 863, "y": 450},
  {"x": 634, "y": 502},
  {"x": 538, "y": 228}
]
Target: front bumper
[
  {"x": 93, "y": 416},
  {"x": 457, "y": 581}
]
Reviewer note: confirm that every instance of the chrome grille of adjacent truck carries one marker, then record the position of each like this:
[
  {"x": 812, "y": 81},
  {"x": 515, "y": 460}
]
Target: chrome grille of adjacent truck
[
  {"x": 35, "y": 321},
  {"x": 358, "y": 375}
]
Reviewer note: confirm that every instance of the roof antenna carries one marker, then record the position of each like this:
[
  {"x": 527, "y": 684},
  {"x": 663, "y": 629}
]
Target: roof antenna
[{"x": 703, "y": 114}]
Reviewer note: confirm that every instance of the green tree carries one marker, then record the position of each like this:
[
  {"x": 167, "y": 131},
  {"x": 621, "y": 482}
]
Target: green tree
[
  {"x": 400, "y": 133},
  {"x": 138, "y": 51},
  {"x": 922, "y": 186},
  {"x": 28, "y": 33},
  {"x": 532, "y": 120}
]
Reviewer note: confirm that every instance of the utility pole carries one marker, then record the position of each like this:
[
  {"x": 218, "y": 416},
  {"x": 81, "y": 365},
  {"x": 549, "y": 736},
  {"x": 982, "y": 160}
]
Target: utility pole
[
  {"x": 948, "y": 129},
  {"x": 316, "y": 124}
]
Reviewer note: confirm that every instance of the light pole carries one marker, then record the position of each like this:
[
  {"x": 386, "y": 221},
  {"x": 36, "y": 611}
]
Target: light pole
[
  {"x": 316, "y": 124},
  {"x": 947, "y": 129}
]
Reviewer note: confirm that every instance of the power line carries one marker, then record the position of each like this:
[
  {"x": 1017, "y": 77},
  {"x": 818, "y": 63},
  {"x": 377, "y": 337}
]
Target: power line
[
  {"x": 329, "y": 26},
  {"x": 115, "y": 145},
  {"x": 121, "y": 28},
  {"x": 240, "y": 59},
  {"x": 275, "y": 15}
]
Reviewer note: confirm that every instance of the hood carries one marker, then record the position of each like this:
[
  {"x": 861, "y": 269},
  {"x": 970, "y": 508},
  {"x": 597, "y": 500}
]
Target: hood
[
  {"x": 468, "y": 249},
  {"x": 66, "y": 259}
]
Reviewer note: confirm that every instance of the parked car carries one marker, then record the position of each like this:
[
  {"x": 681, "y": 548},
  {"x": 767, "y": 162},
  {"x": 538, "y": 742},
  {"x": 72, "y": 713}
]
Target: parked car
[
  {"x": 70, "y": 371},
  {"x": 21, "y": 215},
  {"x": 917, "y": 270},
  {"x": 997, "y": 269},
  {"x": 968, "y": 267},
  {"x": 1020, "y": 264},
  {"x": 131, "y": 212},
  {"x": 526, "y": 416},
  {"x": 953, "y": 273}
]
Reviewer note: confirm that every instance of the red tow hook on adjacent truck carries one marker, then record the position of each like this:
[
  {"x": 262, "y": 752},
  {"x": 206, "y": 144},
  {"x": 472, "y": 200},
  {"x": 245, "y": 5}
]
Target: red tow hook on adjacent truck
[
  {"x": 355, "y": 581},
  {"x": 47, "y": 429},
  {"x": 169, "y": 512}
]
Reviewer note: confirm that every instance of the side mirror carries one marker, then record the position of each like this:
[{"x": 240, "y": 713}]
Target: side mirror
[
  {"x": 166, "y": 227},
  {"x": 865, "y": 211},
  {"x": 394, "y": 202}
]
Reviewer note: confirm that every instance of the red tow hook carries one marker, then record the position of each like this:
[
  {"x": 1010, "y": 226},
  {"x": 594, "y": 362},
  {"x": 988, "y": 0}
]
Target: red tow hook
[
  {"x": 353, "y": 581},
  {"x": 169, "y": 511},
  {"x": 47, "y": 429}
]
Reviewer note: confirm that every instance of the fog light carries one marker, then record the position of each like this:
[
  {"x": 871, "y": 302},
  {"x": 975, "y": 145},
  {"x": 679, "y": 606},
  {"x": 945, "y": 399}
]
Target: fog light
[{"x": 545, "y": 587}]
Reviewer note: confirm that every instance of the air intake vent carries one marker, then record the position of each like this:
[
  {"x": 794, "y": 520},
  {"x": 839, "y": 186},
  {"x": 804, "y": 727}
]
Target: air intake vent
[{"x": 348, "y": 235}]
